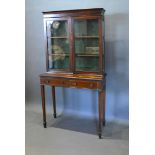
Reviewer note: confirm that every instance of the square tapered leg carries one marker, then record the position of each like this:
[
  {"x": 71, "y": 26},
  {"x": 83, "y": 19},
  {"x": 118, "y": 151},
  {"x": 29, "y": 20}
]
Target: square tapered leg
[
  {"x": 43, "y": 105},
  {"x": 54, "y": 101},
  {"x": 101, "y": 109}
]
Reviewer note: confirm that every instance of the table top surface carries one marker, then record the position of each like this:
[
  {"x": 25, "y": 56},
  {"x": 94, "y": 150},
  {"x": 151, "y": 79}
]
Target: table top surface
[{"x": 55, "y": 74}]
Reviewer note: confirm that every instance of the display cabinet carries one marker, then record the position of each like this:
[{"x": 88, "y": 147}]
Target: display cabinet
[{"x": 75, "y": 55}]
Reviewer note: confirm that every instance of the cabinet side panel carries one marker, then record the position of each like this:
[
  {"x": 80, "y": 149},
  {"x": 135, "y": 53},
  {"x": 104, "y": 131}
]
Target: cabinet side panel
[
  {"x": 100, "y": 45},
  {"x": 45, "y": 43}
]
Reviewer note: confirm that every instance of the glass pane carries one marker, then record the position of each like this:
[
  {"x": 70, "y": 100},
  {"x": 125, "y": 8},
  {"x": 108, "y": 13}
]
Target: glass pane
[
  {"x": 86, "y": 45},
  {"x": 58, "y": 45},
  {"x": 87, "y": 27}
]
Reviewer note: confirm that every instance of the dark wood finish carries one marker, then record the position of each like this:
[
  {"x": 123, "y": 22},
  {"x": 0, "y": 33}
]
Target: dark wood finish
[
  {"x": 71, "y": 77},
  {"x": 100, "y": 46},
  {"x": 79, "y": 37},
  {"x": 104, "y": 101},
  {"x": 46, "y": 44},
  {"x": 43, "y": 105},
  {"x": 101, "y": 111},
  {"x": 71, "y": 83},
  {"x": 72, "y": 57},
  {"x": 77, "y": 81},
  {"x": 70, "y": 16},
  {"x": 73, "y": 13},
  {"x": 54, "y": 74},
  {"x": 54, "y": 101}
]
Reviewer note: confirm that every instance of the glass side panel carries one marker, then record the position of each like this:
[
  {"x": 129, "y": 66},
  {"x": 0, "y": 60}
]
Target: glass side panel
[
  {"x": 86, "y": 45},
  {"x": 58, "y": 45}
]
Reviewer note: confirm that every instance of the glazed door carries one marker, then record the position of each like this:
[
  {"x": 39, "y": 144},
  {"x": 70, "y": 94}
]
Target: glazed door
[
  {"x": 86, "y": 45},
  {"x": 58, "y": 44}
]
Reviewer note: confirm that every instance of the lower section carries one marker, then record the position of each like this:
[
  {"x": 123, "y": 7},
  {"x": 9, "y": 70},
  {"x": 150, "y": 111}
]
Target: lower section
[
  {"x": 77, "y": 83},
  {"x": 72, "y": 83}
]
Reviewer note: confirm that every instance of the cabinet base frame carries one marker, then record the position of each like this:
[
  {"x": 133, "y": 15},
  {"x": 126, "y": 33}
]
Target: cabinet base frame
[{"x": 97, "y": 84}]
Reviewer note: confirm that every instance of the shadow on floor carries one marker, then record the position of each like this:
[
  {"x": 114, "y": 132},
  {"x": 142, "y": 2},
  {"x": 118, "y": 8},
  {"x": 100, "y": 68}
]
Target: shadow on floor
[{"x": 112, "y": 130}]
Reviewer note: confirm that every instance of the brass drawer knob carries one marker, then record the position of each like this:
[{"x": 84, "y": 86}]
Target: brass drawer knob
[
  {"x": 74, "y": 83},
  {"x": 91, "y": 85}
]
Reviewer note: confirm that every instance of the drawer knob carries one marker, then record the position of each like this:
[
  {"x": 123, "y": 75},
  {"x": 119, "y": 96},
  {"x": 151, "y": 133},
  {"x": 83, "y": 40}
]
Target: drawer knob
[
  {"x": 74, "y": 83},
  {"x": 91, "y": 85}
]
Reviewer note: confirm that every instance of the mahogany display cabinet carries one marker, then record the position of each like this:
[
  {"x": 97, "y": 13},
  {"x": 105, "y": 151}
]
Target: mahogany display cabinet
[{"x": 75, "y": 55}]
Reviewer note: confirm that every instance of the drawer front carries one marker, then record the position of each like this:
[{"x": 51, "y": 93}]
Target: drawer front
[
  {"x": 53, "y": 82},
  {"x": 72, "y": 83},
  {"x": 83, "y": 84}
]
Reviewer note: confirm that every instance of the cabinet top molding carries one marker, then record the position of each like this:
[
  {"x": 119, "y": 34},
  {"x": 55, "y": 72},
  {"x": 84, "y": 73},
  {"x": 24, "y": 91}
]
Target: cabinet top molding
[{"x": 85, "y": 12}]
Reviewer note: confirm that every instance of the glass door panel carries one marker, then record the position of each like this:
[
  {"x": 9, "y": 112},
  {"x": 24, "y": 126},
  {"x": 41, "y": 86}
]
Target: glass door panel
[
  {"x": 58, "y": 44},
  {"x": 86, "y": 44}
]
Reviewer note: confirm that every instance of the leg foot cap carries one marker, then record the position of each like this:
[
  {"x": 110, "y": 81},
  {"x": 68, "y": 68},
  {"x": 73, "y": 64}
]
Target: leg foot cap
[
  {"x": 55, "y": 116},
  {"x": 45, "y": 126},
  {"x": 100, "y": 136},
  {"x": 104, "y": 122}
]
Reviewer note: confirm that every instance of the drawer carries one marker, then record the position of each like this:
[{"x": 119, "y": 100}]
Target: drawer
[
  {"x": 83, "y": 84},
  {"x": 53, "y": 82},
  {"x": 71, "y": 83}
]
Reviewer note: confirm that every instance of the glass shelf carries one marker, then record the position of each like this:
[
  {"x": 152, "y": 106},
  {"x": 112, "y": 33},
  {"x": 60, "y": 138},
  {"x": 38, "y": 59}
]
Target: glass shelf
[
  {"x": 86, "y": 37},
  {"x": 58, "y": 45},
  {"x": 59, "y": 54},
  {"x": 59, "y": 37},
  {"x": 86, "y": 45},
  {"x": 87, "y": 55},
  {"x": 86, "y": 27}
]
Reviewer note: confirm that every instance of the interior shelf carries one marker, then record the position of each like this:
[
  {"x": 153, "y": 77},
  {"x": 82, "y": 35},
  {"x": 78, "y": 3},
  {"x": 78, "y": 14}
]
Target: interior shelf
[
  {"x": 59, "y": 37},
  {"x": 91, "y": 37},
  {"x": 76, "y": 44},
  {"x": 87, "y": 55},
  {"x": 59, "y": 54},
  {"x": 77, "y": 37},
  {"x": 79, "y": 55}
]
